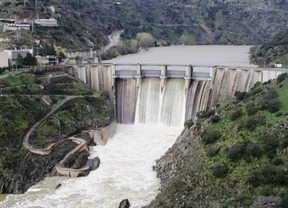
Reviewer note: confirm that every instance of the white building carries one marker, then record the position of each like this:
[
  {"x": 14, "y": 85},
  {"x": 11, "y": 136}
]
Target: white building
[
  {"x": 46, "y": 22},
  {"x": 12, "y": 55},
  {"x": 13, "y": 27},
  {"x": 10, "y": 21},
  {"x": 4, "y": 59},
  {"x": 47, "y": 60}
]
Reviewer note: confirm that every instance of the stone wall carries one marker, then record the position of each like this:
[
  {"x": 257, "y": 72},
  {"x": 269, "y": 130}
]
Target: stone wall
[{"x": 102, "y": 135}]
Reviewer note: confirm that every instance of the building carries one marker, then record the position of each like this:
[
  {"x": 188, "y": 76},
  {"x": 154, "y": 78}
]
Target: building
[
  {"x": 88, "y": 52},
  {"x": 48, "y": 60},
  {"x": 12, "y": 55},
  {"x": 10, "y": 21},
  {"x": 46, "y": 22},
  {"x": 4, "y": 59},
  {"x": 13, "y": 27}
]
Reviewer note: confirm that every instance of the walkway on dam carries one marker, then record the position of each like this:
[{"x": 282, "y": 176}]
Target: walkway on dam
[{"x": 47, "y": 150}]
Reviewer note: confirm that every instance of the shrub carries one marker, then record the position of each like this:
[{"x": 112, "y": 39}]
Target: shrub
[
  {"x": 251, "y": 123},
  {"x": 281, "y": 77},
  {"x": 236, "y": 114},
  {"x": 240, "y": 95},
  {"x": 212, "y": 151},
  {"x": 210, "y": 136},
  {"x": 261, "y": 120},
  {"x": 219, "y": 170},
  {"x": 284, "y": 201},
  {"x": 236, "y": 151},
  {"x": 215, "y": 118},
  {"x": 251, "y": 109},
  {"x": 284, "y": 143},
  {"x": 189, "y": 123},
  {"x": 256, "y": 85},
  {"x": 269, "y": 101},
  {"x": 253, "y": 150},
  {"x": 6, "y": 3},
  {"x": 254, "y": 92},
  {"x": 254, "y": 178},
  {"x": 267, "y": 191},
  {"x": 270, "y": 143},
  {"x": 277, "y": 161},
  {"x": 205, "y": 114},
  {"x": 278, "y": 114}
]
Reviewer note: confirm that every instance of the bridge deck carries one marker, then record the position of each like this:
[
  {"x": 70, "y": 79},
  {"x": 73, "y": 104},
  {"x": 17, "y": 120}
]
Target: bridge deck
[{"x": 130, "y": 74}]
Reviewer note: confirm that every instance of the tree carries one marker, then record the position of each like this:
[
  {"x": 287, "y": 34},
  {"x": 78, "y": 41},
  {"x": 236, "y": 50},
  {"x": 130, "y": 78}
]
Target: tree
[
  {"x": 19, "y": 61},
  {"x": 62, "y": 55},
  {"x": 145, "y": 39},
  {"x": 183, "y": 40},
  {"x": 29, "y": 60}
]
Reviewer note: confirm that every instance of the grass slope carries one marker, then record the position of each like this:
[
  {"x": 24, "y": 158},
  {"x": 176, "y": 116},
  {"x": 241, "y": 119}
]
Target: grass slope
[{"x": 234, "y": 156}]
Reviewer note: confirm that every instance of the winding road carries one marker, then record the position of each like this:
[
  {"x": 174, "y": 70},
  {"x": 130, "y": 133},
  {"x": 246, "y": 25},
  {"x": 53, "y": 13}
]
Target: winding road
[{"x": 70, "y": 172}]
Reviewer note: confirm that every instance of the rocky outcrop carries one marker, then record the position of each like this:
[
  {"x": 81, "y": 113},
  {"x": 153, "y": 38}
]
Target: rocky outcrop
[
  {"x": 95, "y": 163},
  {"x": 184, "y": 180},
  {"x": 124, "y": 204}
]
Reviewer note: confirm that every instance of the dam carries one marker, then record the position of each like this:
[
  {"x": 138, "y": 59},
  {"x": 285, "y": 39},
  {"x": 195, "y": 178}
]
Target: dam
[
  {"x": 127, "y": 158},
  {"x": 164, "y": 92}
]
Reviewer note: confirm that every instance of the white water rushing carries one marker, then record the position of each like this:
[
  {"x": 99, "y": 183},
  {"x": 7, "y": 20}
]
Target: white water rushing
[
  {"x": 125, "y": 172},
  {"x": 156, "y": 105}
]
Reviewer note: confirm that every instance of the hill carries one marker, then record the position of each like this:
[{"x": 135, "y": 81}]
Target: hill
[
  {"x": 87, "y": 23},
  {"x": 233, "y": 156},
  {"x": 25, "y": 99},
  {"x": 272, "y": 52}
]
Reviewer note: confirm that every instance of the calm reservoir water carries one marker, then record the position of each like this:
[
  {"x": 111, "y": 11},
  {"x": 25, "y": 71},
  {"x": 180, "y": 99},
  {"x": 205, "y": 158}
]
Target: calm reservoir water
[
  {"x": 127, "y": 159},
  {"x": 195, "y": 55}
]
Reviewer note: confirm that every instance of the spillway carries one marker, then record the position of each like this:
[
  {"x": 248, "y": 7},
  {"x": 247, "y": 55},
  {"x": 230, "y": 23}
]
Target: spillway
[
  {"x": 170, "y": 105},
  {"x": 156, "y": 105}
]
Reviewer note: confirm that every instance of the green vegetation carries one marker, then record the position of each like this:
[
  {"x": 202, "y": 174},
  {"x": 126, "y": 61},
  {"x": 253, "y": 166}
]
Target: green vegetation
[
  {"x": 234, "y": 156},
  {"x": 45, "y": 84},
  {"x": 25, "y": 99},
  {"x": 272, "y": 52},
  {"x": 252, "y": 141}
]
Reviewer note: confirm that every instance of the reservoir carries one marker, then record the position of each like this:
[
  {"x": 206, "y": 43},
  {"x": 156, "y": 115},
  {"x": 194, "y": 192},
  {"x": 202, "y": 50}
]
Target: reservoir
[{"x": 127, "y": 159}]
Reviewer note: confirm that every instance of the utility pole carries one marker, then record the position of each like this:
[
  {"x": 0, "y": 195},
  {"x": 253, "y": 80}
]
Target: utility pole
[
  {"x": 17, "y": 33},
  {"x": 24, "y": 3},
  {"x": 36, "y": 7}
]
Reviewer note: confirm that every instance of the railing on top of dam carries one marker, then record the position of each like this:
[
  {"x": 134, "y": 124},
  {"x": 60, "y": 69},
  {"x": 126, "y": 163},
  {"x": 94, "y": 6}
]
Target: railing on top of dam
[{"x": 158, "y": 70}]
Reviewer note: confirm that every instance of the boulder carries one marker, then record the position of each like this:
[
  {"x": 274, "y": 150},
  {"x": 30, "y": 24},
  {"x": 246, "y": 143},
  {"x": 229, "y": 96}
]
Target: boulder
[
  {"x": 95, "y": 163},
  {"x": 124, "y": 203}
]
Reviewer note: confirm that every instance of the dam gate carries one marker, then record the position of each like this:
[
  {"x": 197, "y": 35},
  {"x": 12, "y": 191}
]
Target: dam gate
[{"x": 125, "y": 84}]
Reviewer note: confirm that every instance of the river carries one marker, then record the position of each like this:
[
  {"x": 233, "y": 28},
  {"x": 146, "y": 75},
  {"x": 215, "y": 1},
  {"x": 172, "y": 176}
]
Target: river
[{"x": 127, "y": 159}]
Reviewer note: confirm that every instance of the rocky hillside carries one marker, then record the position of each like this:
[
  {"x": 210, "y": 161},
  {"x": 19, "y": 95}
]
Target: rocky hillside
[
  {"x": 234, "y": 155},
  {"x": 272, "y": 52},
  {"x": 24, "y": 100},
  {"x": 86, "y": 23}
]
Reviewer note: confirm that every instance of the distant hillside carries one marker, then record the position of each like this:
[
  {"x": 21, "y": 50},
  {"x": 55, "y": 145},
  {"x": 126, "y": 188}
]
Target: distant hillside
[
  {"x": 234, "y": 156},
  {"x": 88, "y": 22},
  {"x": 272, "y": 52}
]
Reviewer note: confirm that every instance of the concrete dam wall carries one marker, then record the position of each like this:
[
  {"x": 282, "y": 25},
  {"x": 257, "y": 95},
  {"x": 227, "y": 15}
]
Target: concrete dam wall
[{"x": 170, "y": 100}]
